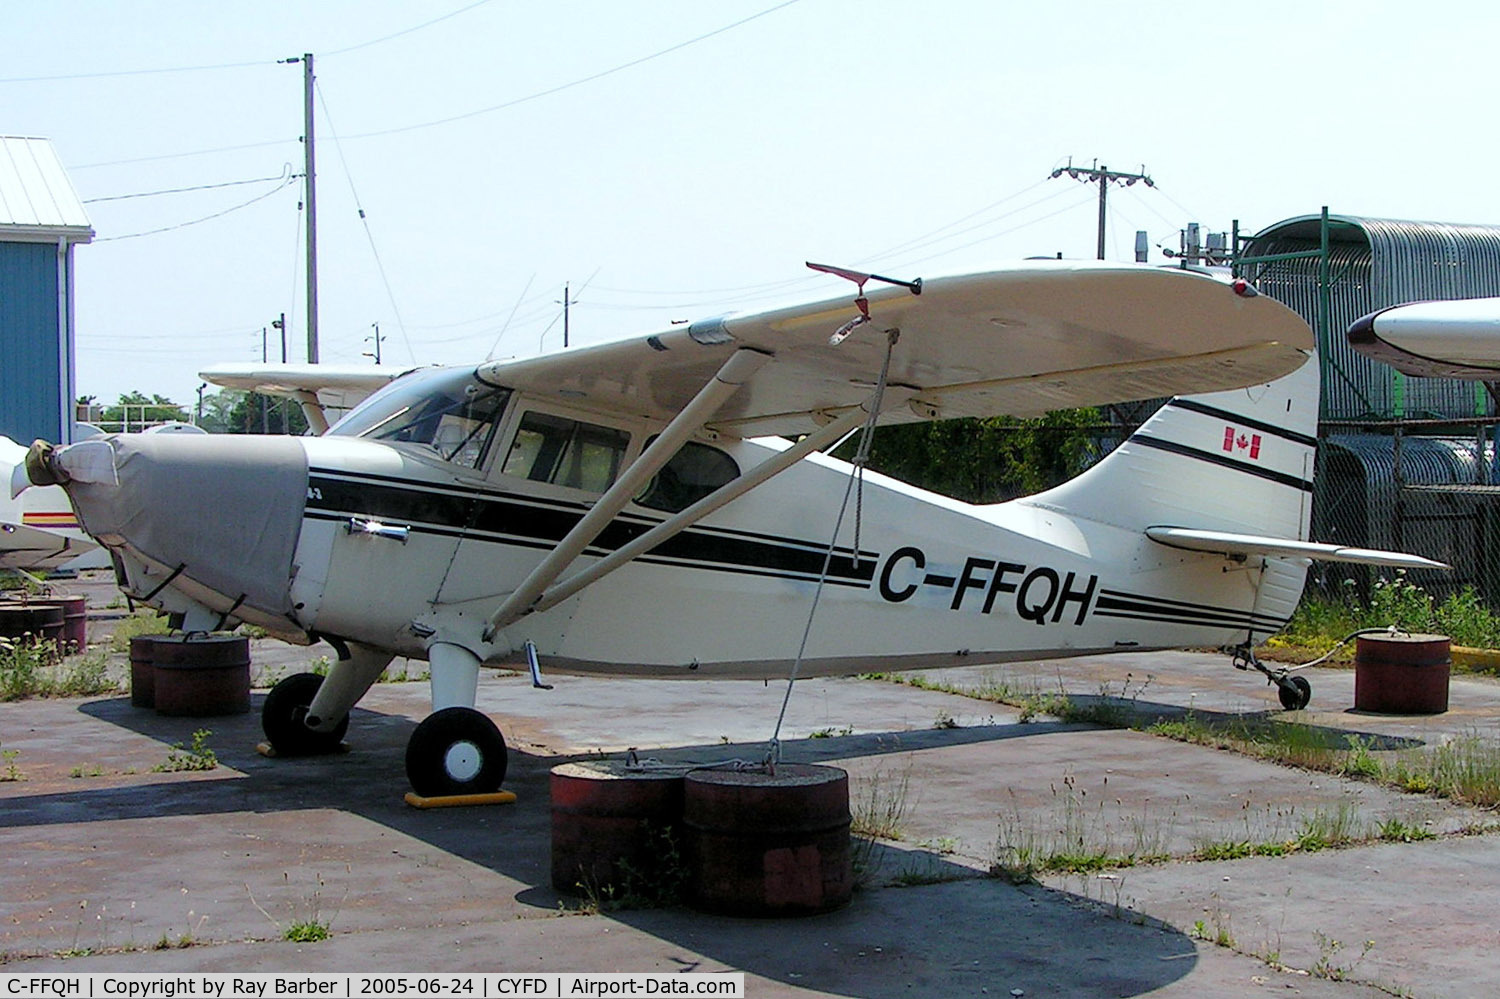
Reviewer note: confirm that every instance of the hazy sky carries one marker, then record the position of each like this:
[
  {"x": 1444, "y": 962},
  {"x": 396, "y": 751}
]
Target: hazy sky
[{"x": 677, "y": 176}]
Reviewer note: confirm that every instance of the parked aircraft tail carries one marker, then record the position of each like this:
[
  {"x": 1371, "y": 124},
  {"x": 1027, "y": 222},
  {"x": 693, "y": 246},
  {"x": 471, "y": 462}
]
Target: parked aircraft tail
[{"x": 1229, "y": 473}]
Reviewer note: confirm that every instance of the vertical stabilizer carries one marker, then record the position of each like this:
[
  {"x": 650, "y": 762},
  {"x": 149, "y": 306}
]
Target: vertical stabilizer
[{"x": 1239, "y": 461}]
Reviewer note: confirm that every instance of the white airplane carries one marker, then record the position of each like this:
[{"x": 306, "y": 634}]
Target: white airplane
[
  {"x": 1445, "y": 339},
  {"x": 637, "y": 508},
  {"x": 38, "y": 529},
  {"x": 324, "y": 391}
]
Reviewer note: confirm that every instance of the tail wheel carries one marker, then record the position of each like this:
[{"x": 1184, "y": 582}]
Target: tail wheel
[
  {"x": 456, "y": 751},
  {"x": 283, "y": 717},
  {"x": 1295, "y": 693}
]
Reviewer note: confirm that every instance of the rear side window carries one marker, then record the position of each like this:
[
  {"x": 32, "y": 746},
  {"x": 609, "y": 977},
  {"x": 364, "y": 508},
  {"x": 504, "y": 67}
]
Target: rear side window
[
  {"x": 693, "y": 473},
  {"x": 566, "y": 452}
]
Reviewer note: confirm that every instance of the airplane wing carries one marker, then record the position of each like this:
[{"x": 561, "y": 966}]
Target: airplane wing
[
  {"x": 1448, "y": 339},
  {"x": 1021, "y": 340},
  {"x": 1226, "y": 543},
  {"x": 325, "y": 391},
  {"x": 23, "y": 547}
]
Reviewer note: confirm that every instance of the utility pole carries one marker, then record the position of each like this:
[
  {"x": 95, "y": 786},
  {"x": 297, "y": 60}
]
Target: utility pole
[
  {"x": 265, "y": 416},
  {"x": 377, "y": 338},
  {"x": 310, "y": 179},
  {"x": 1103, "y": 176},
  {"x": 312, "y": 208},
  {"x": 567, "y": 301},
  {"x": 280, "y": 323}
]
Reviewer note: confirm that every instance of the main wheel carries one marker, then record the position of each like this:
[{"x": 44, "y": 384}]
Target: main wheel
[
  {"x": 1295, "y": 693},
  {"x": 283, "y": 716},
  {"x": 455, "y": 751}
]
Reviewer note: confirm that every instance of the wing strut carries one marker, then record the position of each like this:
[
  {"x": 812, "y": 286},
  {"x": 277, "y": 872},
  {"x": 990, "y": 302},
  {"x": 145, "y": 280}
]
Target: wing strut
[
  {"x": 313, "y": 410},
  {"x": 740, "y": 367},
  {"x": 725, "y": 494}
]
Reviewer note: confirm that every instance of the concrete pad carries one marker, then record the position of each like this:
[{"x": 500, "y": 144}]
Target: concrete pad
[{"x": 100, "y": 868}]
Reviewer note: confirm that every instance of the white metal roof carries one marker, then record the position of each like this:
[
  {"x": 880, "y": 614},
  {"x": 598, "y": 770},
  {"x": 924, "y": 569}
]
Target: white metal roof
[{"x": 37, "y": 200}]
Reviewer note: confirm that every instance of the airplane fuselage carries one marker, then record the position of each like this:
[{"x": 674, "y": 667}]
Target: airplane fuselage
[{"x": 935, "y": 582}]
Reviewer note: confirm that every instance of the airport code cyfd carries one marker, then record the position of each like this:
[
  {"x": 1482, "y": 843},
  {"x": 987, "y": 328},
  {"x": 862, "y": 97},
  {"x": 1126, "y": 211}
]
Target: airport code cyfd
[{"x": 729, "y": 985}]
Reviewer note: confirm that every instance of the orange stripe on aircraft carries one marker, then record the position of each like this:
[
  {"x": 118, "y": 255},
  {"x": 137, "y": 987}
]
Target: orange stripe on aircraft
[{"x": 44, "y": 518}]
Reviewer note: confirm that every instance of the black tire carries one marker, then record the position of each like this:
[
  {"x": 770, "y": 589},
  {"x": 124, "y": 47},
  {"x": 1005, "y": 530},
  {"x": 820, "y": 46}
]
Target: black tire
[
  {"x": 455, "y": 751},
  {"x": 281, "y": 718},
  {"x": 1295, "y": 693}
]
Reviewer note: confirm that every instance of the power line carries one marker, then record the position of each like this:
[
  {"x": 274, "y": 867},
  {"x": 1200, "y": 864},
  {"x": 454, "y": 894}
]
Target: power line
[
  {"x": 404, "y": 31},
  {"x": 1103, "y": 176},
  {"x": 460, "y": 117},
  {"x": 575, "y": 83},
  {"x": 195, "y": 152},
  {"x": 106, "y": 74},
  {"x": 996, "y": 235},
  {"x": 206, "y": 218},
  {"x": 390, "y": 294},
  {"x": 286, "y": 173}
]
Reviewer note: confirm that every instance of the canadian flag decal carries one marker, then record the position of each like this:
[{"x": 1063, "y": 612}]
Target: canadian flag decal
[{"x": 1238, "y": 440}]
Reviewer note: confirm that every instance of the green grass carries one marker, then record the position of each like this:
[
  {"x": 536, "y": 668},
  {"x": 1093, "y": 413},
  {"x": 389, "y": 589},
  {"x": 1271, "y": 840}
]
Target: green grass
[
  {"x": 1321, "y": 621},
  {"x": 878, "y": 804},
  {"x": 30, "y": 668},
  {"x": 306, "y": 932},
  {"x": 1464, "y": 769},
  {"x": 195, "y": 757},
  {"x": 1108, "y": 707},
  {"x": 140, "y": 623}
]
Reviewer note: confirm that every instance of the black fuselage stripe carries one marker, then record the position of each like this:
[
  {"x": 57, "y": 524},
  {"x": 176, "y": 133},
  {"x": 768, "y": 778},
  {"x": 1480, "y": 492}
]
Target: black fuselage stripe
[
  {"x": 1194, "y": 406},
  {"x": 1223, "y": 461},
  {"x": 527, "y": 524},
  {"x": 1193, "y": 622},
  {"x": 1145, "y": 613},
  {"x": 466, "y": 494},
  {"x": 1119, "y": 599},
  {"x": 1115, "y": 604}
]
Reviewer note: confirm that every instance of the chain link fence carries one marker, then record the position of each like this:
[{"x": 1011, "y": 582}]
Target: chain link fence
[{"x": 1394, "y": 486}]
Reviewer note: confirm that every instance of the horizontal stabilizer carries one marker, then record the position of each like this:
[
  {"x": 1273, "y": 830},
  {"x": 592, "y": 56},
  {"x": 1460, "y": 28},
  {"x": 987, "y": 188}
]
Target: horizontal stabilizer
[{"x": 1225, "y": 543}]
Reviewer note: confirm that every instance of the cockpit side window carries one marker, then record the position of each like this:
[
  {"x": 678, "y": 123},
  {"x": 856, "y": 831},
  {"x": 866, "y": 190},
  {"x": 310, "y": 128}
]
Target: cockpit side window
[
  {"x": 692, "y": 473},
  {"x": 566, "y": 452}
]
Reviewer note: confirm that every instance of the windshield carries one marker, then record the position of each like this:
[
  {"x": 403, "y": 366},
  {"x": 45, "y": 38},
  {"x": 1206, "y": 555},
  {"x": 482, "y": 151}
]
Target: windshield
[{"x": 446, "y": 409}]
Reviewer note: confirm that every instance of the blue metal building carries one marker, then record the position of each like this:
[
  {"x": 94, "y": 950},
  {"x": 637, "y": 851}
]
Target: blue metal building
[{"x": 41, "y": 220}]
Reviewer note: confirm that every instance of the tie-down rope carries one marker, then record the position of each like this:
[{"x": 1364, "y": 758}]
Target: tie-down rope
[{"x": 856, "y": 478}]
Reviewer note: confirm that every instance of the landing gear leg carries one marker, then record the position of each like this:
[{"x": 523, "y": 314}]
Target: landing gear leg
[
  {"x": 306, "y": 714},
  {"x": 284, "y": 718},
  {"x": 1294, "y": 692}
]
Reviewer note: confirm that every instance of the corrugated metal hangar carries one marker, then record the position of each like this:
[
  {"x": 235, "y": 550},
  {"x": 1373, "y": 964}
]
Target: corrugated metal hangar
[
  {"x": 41, "y": 220},
  {"x": 1406, "y": 463}
]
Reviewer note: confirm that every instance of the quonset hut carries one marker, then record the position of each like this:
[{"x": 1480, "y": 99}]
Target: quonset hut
[
  {"x": 1403, "y": 462},
  {"x": 41, "y": 220}
]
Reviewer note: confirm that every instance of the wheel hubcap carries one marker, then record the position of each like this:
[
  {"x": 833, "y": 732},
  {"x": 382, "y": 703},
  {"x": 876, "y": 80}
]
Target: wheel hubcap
[{"x": 463, "y": 761}]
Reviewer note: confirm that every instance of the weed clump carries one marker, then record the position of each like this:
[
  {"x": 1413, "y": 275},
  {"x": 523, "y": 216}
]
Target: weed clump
[{"x": 195, "y": 757}]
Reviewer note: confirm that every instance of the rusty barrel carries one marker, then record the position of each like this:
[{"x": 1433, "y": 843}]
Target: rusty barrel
[
  {"x": 201, "y": 675},
  {"x": 611, "y": 825},
  {"x": 143, "y": 670},
  {"x": 768, "y": 844},
  {"x": 1402, "y": 674},
  {"x": 32, "y": 621},
  {"x": 74, "y": 636}
]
